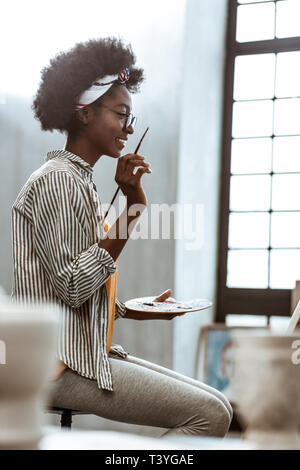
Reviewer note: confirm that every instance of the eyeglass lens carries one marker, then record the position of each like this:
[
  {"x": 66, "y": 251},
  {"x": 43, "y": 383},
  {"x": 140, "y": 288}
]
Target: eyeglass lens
[{"x": 131, "y": 120}]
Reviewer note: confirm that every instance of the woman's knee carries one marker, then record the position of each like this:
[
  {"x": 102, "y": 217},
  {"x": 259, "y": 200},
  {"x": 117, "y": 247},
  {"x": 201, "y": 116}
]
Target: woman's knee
[
  {"x": 226, "y": 403},
  {"x": 211, "y": 418},
  {"x": 218, "y": 416},
  {"x": 221, "y": 397}
]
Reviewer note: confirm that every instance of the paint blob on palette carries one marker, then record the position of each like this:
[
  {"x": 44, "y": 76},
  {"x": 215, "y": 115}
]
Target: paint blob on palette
[{"x": 171, "y": 305}]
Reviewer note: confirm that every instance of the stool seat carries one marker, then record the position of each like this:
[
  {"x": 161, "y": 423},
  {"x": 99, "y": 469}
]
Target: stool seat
[{"x": 66, "y": 415}]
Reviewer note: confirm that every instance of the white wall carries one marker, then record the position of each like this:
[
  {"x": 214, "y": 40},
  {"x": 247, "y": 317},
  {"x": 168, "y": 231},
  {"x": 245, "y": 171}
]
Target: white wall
[{"x": 155, "y": 31}]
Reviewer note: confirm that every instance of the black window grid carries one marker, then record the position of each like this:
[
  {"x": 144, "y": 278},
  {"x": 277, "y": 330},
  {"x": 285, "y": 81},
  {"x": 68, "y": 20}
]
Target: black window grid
[{"x": 246, "y": 301}]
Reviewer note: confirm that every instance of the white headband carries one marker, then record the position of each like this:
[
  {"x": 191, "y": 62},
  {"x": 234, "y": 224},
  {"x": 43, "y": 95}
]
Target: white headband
[{"x": 101, "y": 86}]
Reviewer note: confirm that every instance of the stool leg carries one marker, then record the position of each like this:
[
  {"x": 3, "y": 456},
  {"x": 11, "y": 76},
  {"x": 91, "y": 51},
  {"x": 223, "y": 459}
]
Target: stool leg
[{"x": 66, "y": 419}]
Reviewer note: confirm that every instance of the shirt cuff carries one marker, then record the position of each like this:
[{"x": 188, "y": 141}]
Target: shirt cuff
[
  {"x": 103, "y": 257},
  {"x": 120, "y": 309}
]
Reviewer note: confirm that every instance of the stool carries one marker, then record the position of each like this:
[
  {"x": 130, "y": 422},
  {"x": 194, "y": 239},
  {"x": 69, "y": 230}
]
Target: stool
[{"x": 66, "y": 415}]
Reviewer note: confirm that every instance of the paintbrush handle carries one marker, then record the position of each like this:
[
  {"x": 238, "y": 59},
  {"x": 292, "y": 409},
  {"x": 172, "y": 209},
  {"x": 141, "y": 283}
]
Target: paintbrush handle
[
  {"x": 136, "y": 151},
  {"x": 142, "y": 138}
]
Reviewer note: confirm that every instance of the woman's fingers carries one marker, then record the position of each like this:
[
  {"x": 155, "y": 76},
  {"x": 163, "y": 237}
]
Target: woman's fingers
[
  {"x": 176, "y": 315},
  {"x": 141, "y": 171},
  {"x": 132, "y": 159},
  {"x": 136, "y": 161},
  {"x": 162, "y": 297},
  {"x": 130, "y": 156},
  {"x": 128, "y": 163},
  {"x": 143, "y": 168}
]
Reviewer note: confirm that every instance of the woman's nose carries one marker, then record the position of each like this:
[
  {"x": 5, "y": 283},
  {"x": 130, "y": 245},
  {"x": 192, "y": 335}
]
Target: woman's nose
[{"x": 129, "y": 129}]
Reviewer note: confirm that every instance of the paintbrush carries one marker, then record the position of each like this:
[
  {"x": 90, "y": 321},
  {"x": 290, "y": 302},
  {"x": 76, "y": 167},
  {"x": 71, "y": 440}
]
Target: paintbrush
[{"x": 136, "y": 151}]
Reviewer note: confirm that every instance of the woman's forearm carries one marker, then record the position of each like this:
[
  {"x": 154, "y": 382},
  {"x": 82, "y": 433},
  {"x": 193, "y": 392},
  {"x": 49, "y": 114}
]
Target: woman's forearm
[{"x": 119, "y": 233}]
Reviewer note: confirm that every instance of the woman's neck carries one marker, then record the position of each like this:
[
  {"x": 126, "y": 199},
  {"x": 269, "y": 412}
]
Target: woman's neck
[{"x": 83, "y": 149}]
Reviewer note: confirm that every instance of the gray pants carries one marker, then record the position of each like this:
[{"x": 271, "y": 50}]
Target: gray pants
[{"x": 147, "y": 394}]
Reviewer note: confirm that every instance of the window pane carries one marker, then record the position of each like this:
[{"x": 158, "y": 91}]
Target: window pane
[
  {"x": 286, "y": 154},
  {"x": 247, "y": 268},
  {"x": 252, "y": 119},
  {"x": 286, "y": 192},
  {"x": 287, "y": 116},
  {"x": 255, "y": 22},
  {"x": 246, "y": 320},
  {"x": 287, "y": 19},
  {"x": 254, "y": 76},
  {"x": 249, "y": 230},
  {"x": 251, "y": 155},
  {"x": 285, "y": 230},
  {"x": 284, "y": 268},
  {"x": 288, "y": 74},
  {"x": 250, "y": 193}
]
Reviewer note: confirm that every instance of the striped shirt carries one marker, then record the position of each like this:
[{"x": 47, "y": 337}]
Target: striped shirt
[{"x": 57, "y": 224}]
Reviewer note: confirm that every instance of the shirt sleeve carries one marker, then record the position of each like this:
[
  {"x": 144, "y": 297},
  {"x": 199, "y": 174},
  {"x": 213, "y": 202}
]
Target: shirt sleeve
[
  {"x": 120, "y": 309},
  {"x": 62, "y": 242}
]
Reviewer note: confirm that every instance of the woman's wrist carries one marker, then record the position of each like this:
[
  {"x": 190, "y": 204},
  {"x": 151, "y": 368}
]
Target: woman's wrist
[
  {"x": 128, "y": 313},
  {"x": 136, "y": 196}
]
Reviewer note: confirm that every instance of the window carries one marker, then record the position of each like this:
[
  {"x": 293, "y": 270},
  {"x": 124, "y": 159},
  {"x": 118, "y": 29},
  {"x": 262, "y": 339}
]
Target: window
[{"x": 259, "y": 250}]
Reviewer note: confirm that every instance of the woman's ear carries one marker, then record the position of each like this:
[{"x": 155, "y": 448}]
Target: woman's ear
[{"x": 84, "y": 115}]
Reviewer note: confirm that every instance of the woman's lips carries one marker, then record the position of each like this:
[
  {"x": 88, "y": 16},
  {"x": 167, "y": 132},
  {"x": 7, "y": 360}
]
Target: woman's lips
[{"x": 121, "y": 142}]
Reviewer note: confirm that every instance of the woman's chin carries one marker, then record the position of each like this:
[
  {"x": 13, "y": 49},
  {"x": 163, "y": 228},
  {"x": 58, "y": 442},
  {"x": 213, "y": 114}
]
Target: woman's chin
[{"x": 114, "y": 154}]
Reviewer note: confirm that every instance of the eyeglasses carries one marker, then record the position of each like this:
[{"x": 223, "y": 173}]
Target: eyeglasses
[{"x": 128, "y": 119}]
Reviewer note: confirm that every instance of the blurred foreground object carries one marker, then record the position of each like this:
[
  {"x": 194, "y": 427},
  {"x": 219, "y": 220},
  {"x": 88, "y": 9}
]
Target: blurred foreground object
[
  {"x": 294, "y": 323},
  {"x": 295, "y": 296},
  {"x": 295, "y": 299},
  {"x": 267, "y": 388},
  {"x": 28, "y": 339}
]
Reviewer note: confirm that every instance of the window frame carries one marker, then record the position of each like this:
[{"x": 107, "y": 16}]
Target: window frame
[{"x": 230, "y": 300}]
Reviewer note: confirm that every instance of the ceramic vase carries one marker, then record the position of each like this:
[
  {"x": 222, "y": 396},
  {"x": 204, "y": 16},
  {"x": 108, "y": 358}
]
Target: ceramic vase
[
  {"x": 267, "y": 388},
  {"x": 28, "y": 341}
]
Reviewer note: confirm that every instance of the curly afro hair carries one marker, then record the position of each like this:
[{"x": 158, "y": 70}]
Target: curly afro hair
[{"x": 72, "y": 72}]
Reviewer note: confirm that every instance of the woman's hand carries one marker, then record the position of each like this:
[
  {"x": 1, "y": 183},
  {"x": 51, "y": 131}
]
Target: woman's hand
[
  {"x": 164, "y": 296},
  {"x": 130, "y": 182},
  {"x": 144, "y": 315}
]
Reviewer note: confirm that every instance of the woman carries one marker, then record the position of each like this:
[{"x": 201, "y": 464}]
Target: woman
[{"x": 63, "y": 254}]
